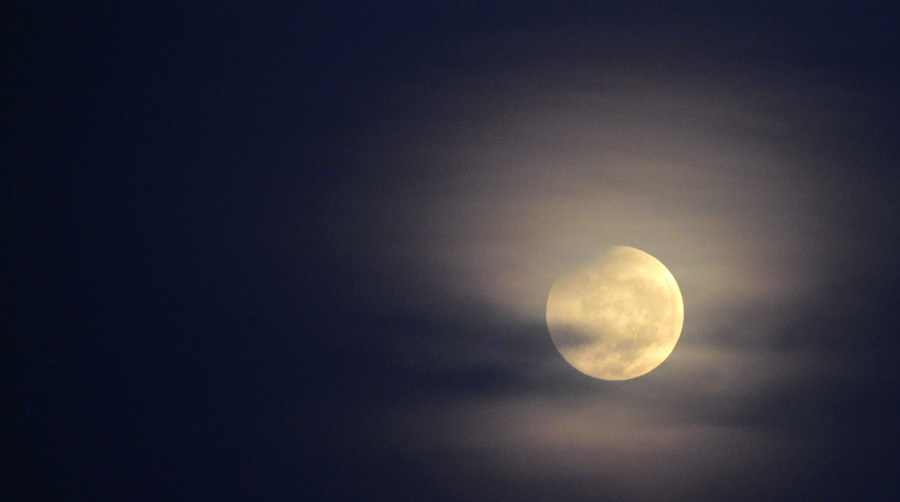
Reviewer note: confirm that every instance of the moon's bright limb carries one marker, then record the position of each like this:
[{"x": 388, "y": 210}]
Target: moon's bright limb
[{"x": 617, "y": 318}]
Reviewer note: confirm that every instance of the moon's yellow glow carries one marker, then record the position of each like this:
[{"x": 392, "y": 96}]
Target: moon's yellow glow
[{"x": 617, "y": 318}]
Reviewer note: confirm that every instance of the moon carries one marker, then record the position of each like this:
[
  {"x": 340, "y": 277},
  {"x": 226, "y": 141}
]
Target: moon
[{"x": 617, "y": 318}]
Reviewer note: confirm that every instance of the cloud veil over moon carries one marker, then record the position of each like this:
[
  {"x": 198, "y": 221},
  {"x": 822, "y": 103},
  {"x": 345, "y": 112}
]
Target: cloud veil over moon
[{"x": 493, "y": 184}]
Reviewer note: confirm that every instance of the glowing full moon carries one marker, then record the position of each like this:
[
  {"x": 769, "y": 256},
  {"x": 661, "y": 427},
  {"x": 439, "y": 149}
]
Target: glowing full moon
[{"x": 617, "y": 318}]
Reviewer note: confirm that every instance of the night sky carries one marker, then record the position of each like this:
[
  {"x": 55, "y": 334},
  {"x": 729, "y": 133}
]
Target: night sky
[{"x": 302, "y": 250}]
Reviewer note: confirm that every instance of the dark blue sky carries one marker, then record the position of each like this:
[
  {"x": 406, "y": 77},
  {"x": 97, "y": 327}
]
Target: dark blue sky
[{"x": 300, "y": 252}]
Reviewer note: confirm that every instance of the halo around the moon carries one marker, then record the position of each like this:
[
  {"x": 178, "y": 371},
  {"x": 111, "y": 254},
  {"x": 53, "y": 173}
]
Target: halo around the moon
[{"x": 617, "y": 318}]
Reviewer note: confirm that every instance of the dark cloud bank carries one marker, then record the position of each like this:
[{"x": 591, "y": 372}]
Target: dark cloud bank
[{"x": 292, "y": 253}]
